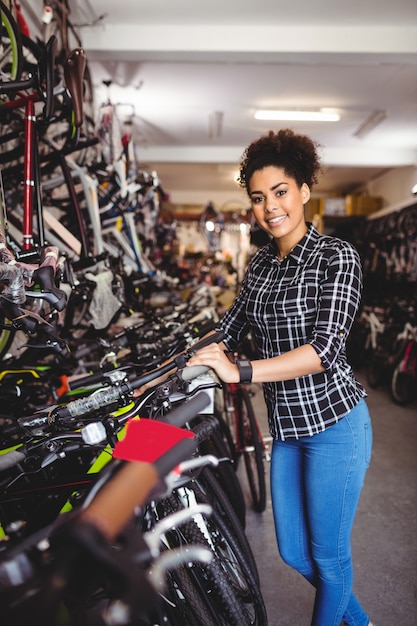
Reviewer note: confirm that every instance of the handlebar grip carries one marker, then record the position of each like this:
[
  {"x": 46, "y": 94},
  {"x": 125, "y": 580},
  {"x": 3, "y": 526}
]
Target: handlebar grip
[
  {"x": 112, "y": 507},
  {"x": 184, "y": 449},
  {"x": 186, "y": 411},
  {"x": 87, "y": 380},
  {"x": 216, "y": 337},
  {"x": 193, "y": 371},
  {"x": 9, "y": 459}
]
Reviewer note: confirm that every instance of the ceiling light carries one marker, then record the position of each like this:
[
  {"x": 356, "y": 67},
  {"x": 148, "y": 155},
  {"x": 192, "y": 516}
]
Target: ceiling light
[
  {"x": 298, "y": 116},
  {"x": 369, "y": 124}
]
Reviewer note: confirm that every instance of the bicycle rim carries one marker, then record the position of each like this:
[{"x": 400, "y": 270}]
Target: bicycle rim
[{"x": 251, "y": 446}]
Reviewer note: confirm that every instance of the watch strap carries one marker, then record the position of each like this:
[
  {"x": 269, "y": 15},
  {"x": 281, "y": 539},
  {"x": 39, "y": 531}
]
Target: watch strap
[{"x": 245, "y": 371}]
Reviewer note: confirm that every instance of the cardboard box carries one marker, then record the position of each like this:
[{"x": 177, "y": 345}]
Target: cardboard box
[{"x": 362, "y": 205}]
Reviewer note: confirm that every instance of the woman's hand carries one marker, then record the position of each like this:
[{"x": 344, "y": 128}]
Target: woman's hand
[{"x": 213, "y": 356}]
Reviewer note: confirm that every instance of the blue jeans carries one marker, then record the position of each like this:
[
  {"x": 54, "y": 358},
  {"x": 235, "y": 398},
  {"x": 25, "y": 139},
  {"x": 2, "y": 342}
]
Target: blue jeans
[{"x": 315, "y": 486}]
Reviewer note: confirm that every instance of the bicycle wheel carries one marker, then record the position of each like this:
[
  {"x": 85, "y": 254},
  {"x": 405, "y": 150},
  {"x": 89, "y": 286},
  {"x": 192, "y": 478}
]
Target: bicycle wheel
[
  {"x": 227, "y": 437},
  {"x": 208, "y": 490},
  {"x": 403, "y": 385},
  {"x": 375, "y": 371},
  {"x": 239, "y": 572},
  {"x": 10, "y": 46},
  {"x": 222, "y": 604},
  {"x": 225, "y": 473},
  {"x": 251, "y": 446}
]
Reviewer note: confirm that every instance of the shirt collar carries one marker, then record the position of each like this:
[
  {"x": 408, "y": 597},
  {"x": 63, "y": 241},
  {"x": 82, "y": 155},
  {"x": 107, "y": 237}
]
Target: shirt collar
[{"x": 302, "y": 249}]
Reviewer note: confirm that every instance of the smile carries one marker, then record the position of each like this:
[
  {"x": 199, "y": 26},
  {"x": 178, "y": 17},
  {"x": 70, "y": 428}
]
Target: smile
[{"x": 276, "y": 221}]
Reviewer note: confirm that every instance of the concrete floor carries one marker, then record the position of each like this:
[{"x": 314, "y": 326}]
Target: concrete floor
[{"x": 384, "y": 540}]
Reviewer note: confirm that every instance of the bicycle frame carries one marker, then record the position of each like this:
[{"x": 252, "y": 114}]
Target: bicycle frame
[{"x": 248, "y": 440}]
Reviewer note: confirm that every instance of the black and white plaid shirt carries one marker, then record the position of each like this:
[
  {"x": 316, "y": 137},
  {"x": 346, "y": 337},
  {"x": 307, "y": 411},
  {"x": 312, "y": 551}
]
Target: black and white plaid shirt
[{"x": 311, "y": 296}]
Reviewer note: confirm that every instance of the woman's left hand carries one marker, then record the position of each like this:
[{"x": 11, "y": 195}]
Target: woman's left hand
[{"x": 213, "y": 356}]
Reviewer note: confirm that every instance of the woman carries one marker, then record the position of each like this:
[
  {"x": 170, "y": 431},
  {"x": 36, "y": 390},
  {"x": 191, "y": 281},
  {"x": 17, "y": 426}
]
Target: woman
[{"x": 298, "y": 299}]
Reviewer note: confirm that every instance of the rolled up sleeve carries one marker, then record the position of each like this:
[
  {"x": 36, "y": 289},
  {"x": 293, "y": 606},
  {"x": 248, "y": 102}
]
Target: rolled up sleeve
[{"x": 339, "y": 300}]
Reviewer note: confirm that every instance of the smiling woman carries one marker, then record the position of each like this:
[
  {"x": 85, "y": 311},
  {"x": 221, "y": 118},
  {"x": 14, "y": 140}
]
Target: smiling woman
[{"x": 298, "y": 301}]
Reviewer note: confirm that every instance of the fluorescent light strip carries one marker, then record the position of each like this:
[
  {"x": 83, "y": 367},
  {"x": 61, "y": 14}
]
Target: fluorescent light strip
[
  {"x": 298, "y": 116},
  {"x": 370, "y": 123}
]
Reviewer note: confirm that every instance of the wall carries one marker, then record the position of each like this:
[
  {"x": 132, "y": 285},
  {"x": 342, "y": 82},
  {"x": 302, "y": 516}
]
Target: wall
[{"x": 394, "y": 188}]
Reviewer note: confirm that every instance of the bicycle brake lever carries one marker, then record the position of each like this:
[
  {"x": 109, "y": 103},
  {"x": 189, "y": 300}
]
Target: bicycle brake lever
[
  {"x": 184, "y": 472},
  {"x": 56, "y": 346},
  {"x": 57, "y": 299}
]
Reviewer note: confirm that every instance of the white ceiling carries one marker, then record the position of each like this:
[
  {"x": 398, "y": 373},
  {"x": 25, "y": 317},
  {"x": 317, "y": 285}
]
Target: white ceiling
[{"x": 176, "y": 63}]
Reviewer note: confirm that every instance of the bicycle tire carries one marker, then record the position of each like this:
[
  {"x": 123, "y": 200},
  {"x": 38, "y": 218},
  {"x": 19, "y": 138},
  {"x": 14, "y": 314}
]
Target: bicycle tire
[
  {"x": 223, "y": 606},
  {"x": 188, "y": 606},
  {"x": 208, "y": 489},
  {"x": 252, "y": 449},
  {"x": 375, "y": 371},
  {"x": 227, "y": 437},
  {"x": 226, "y": 474},
  {"x": 240, "y": 573},
  {"x": 11, "y": 46},
  {"x": 402, "y": 387}
]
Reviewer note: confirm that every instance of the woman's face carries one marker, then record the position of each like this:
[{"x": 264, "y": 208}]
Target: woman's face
[{"x": 278, "y": 205}]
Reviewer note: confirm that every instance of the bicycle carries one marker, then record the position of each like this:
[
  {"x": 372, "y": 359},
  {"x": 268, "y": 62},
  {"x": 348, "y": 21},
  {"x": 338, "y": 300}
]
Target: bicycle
[
  {"x": 230, "y": 581},
  {"x": 83, "y": 542},
  {"x": 247, "y": 439},
  {"x": 404, "y": 376},
  {"x": 10, "y": 45},
  {"x": 40, "y": 87}
]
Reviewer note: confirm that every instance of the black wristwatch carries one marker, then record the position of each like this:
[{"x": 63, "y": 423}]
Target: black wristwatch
[{"x": 245, "y": 371}]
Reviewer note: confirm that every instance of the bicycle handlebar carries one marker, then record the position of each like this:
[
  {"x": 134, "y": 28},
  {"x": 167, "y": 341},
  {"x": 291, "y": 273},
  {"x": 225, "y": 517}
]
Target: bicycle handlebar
[
  {"x": 42, "y": 80},
  {"x": 123, "y": 391},
  {"x": 194, "y": 371},
  {"x": 113, "y": 506},
  {"x": 178, "y": 417}
]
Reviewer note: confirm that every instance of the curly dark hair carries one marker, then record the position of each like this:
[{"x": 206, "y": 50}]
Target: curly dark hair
[{"x": 296, "y": 154}]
